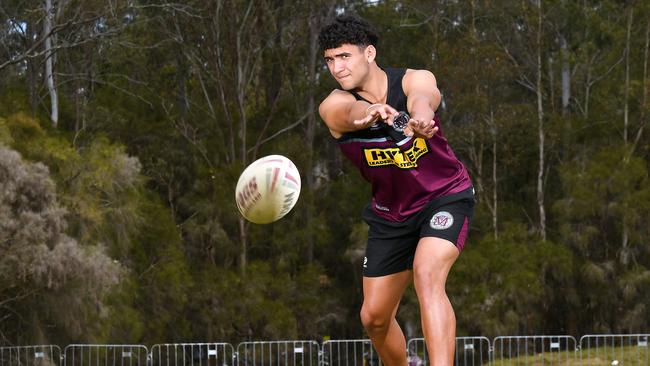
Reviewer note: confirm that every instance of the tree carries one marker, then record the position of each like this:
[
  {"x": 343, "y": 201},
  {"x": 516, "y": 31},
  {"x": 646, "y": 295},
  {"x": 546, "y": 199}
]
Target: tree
[
  {"x": 36, "y": 36},
  {"x": 603, "y": 213},
  {"x": 516, "y": 297},
  {"x": 40, "y": 264}
]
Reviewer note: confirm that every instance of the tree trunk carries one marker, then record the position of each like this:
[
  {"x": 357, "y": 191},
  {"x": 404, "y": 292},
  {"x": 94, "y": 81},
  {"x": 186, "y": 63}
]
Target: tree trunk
[
  {"x": 319, "y": 11},
  {"x": 181, "y": 85},
  {"x": 540, "y": 117},
  {"x": 551, "y": 84},
  {"x": 476, "y": 157},
  {"x": 566, "y": 71},
  {"x": 644, "y": 96},
  {"x": 77, "y": 105},
  {"x": 311, "y": 124},
  {"x": 626, "y": 112},
  {"x": 626, "y": 107},
  {"x": 566, "y": 79},
  {"x": 49, "y": 62},
  {"x": 244, "y": 60},
  {"x": 587, "y": 92},
  {"x": 494, "y": 206},
  {"x": 566, "y": 96},
  {"x": 32, "y": 71},
  {"x": 243, "y": 240}
]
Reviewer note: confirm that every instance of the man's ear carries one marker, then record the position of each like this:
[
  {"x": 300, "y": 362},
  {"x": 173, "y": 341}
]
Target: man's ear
[{"x": 370, "y": 53}]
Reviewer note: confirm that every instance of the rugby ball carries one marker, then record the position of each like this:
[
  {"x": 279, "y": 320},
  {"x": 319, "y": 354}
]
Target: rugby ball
[{"x": 267, "y": 189}]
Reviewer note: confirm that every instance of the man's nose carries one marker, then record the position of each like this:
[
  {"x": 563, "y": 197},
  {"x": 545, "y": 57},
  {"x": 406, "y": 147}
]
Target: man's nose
[{"x": 339, "y": 65}]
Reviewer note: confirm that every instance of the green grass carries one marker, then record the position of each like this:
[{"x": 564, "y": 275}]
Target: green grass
[
  {"x": 628, "y": 355},
  {"x": 603, "y": 356},
  {"x": 568, "y": 358}
]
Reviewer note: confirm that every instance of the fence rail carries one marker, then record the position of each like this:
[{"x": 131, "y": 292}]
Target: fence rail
[
  {"x": 279, "y": 353},
  {"x": 535, "y": 350},
  {"x": 592, "y": 350},
  {"x": 470, "y": 351},
  {"x": 192, "y": 354},
  {"x": 356, "y": 352},
  {"x": 106, "y": 355},
  {"x": 42, "y": 355},
  {"x": 615, "y": 349}
]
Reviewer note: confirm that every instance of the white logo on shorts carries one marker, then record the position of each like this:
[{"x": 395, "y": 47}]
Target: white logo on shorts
[
  {"x": 441, "y": 220},
  {"x": 365, "y": 262}
]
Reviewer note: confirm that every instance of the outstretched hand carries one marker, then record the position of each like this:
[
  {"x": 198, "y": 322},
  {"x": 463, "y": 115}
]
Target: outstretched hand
[
  {"x": 421, "y": 128},
  {"x": 376, "y": 112}
]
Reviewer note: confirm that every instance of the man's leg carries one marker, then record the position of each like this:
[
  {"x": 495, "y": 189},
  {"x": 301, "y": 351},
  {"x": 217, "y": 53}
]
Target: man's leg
[
  {"x": 433, "y": 260},
  {"x": 381, "y": 297}
]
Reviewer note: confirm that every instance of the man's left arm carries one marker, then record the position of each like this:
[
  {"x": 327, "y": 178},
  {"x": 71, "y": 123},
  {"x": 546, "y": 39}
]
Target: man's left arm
[{"x": 423, "y": 96}]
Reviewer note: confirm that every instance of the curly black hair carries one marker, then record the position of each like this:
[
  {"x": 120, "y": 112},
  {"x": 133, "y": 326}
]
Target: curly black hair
[{"x": 347, "y": 29}]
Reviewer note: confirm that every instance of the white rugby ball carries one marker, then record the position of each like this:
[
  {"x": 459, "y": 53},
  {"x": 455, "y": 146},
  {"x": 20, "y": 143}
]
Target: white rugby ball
[{"x": 267, "y": 189}]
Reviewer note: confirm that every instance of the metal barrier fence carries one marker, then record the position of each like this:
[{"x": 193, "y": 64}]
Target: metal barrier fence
[
  {"x": 192, "y": 354},
  {"x": 534, "y": 350},
  {"x": 594, "y": 350},
  {"x": 470, "y": 351},
  {"x": 106, "y": 355},
  {"x": 358, "y": 352},
  {"x": 30, "y": 355},
  {"x": 614, "y": 349},
  {"x": 278, "y": 353}
]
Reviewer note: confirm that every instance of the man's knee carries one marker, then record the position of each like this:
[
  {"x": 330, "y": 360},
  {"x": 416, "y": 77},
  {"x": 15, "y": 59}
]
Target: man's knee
[
  {"x": 374, "y": 320},
  {"x": 429, "y": 278},
  {"x": 424, "y": 273}
]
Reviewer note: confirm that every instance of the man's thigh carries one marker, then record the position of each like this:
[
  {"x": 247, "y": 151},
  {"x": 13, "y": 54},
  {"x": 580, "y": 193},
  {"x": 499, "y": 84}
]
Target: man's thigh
[{"x": 381, "y": 295}]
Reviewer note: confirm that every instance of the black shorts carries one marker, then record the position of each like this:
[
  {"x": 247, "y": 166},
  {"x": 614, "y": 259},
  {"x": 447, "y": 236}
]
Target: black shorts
[{"x": 391, "y": 245}]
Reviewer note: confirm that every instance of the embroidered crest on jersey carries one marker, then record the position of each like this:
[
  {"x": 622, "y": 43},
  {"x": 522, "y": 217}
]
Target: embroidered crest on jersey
[{"x": 402, "y": 159}]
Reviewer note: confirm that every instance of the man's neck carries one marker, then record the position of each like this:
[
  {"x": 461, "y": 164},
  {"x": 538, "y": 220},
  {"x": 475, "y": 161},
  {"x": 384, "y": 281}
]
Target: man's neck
[{"x": 375, "y": 88}]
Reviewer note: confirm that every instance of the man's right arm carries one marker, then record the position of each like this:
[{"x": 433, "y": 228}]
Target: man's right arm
[{"x": 343, "y": 113}]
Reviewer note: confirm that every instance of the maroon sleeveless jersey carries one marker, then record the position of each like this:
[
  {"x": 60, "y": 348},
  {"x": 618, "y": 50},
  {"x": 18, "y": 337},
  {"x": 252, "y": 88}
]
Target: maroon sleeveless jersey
[{"x": 405, "y": 172}]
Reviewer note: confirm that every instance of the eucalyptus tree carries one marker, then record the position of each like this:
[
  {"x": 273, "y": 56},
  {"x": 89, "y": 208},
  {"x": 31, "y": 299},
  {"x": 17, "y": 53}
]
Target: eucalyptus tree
[{"x": 37, "y": 33}]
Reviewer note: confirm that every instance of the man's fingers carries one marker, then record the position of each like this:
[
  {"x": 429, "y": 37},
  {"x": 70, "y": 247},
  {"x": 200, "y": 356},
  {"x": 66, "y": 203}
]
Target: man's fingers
[
  {"x": 421, "y": 127},
  {"x": 414, "y": 124},
  {"x": 391, "y": 118},
  {"x": 387, "y": 113},
  {"x": 363, "y": 121}
]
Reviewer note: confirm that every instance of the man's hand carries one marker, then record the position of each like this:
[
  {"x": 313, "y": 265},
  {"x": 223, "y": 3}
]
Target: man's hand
[
  {"x": 376, "y": 112},
  {"x": 418, "y": 127}
]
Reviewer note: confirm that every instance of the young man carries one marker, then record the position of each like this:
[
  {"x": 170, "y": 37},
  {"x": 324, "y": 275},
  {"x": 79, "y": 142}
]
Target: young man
[{"x": 422, "y": 196}]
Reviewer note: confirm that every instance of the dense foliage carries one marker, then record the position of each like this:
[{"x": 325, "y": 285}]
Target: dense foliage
[{"x": 118, "y": 163}]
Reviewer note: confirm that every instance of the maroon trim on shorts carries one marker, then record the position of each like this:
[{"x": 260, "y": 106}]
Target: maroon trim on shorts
[{"x": 460, "y": 243}]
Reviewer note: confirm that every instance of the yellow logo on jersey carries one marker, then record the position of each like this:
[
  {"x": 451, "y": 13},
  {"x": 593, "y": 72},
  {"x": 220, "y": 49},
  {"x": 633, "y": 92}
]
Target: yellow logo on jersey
[{"x": 402, "y": 159}]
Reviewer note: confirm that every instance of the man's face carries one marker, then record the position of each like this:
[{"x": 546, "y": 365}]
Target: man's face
[{"x": 348, "y": 64}]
